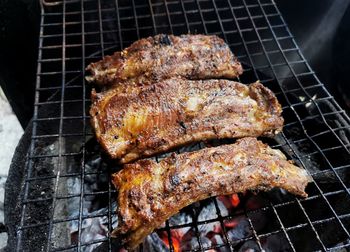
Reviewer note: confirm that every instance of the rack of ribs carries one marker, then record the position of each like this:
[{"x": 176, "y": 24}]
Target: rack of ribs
[
  {"x": 146, "y": 120},
  {"x": 149, "y": 192},
  {"x": 163, "y": 56}
]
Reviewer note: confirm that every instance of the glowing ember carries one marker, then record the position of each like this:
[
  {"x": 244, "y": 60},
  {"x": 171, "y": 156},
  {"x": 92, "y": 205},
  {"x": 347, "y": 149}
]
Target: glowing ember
[
  {"x": 231, "y": 201},
  {"x": 175, "y": 241},
  {"x": 217, "y": 229},
  {"x": 234, "y": 200},
  {"x": 231, "y": 223}
]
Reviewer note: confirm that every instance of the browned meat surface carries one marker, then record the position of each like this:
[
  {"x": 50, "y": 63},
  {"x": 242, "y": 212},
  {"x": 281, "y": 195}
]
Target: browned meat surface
[
  {"x": 146, "y": 120},
  {"x": 164, "y": 56},
  {"x": 149, "y": 192}
]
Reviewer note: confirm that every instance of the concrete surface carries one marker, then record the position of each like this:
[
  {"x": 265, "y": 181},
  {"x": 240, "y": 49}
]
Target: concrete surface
[{"x": 10, "y": 133}]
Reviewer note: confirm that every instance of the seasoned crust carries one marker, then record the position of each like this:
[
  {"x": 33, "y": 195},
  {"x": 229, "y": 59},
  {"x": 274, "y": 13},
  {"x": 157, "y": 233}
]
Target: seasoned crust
[
  {"x": 150, "y": 192},
  {"x": 163, "y": 56},
  {"x": 143, "y": 121}
]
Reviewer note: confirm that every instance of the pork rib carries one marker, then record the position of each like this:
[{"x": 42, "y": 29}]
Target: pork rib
[
  {"x": 143, "y": 121},
  {"x": 149, "y": 192},
  {"x": 164, "y": 56}
]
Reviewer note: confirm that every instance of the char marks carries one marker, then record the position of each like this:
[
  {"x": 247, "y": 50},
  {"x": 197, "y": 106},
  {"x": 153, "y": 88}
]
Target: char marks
[
  {"x": 160, "y": 190},
  {"x": 163, "y": 56},
  {"x": 151, "y": 119}
]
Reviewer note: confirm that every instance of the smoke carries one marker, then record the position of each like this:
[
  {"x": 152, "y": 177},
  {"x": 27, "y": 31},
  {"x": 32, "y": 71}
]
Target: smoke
[{"x": 321, "y": 34}]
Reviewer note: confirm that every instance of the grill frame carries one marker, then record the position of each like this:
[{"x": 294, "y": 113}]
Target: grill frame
[{"x": 71, "y": 74}]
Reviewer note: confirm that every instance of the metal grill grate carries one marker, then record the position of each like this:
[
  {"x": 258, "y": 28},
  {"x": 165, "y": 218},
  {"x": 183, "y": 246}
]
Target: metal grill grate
[{"x": 77, "y": 32}]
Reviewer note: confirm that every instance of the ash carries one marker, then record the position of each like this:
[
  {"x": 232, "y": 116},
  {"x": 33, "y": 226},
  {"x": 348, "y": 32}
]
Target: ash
[{"x": 96, "y": 207}]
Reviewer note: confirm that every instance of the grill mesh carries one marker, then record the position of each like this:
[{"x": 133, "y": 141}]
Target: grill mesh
[{"x": 75, "y": 33}]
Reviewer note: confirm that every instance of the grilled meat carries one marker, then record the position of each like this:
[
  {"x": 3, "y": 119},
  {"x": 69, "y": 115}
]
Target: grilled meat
[
  {"x": 146, "y": 120},
  {"x": 163, "y": 56},
  {"x": 150, "y": 192}
]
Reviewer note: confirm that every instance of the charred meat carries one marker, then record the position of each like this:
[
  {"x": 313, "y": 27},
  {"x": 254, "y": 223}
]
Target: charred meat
[
  {"x": 143, "y": 121},
  {"x": 150, "y": 192},
  {"x": 164, "y": 56}
]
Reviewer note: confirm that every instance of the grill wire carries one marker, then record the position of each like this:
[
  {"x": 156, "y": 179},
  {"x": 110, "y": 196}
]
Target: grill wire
[{"x": 77, "y": 32}]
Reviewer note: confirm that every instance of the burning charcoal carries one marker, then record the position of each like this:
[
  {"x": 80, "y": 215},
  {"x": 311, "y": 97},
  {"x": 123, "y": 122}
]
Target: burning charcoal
[
  {"x": 186, "y": 240},
  {"x": 73, "y": 186},
  {"x": 223, "y": 210},
  {"x": 249, "y": 246},
  {"x": 94, "y": 230},
  {"x": 175, "y": 238},
  {"x": 210, "y": 229},
  {"x": 206, "y": 242},
  {"x": 240, "y": 229},
  {"x": 217, "y": 235},
  {"x": 153, "y": 244},
  {"x": 217, "y": 239},
  {"x": 180, "y": 218},
  {"x": 191, "y": 244},
  {"x": 208, "y": 212},
  {"x": 229, "y": 201}
]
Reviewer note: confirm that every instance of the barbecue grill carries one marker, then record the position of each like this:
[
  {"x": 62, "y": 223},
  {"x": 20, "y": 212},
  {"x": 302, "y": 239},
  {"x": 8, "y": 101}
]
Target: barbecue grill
[{"x": 58, "y": 194}]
